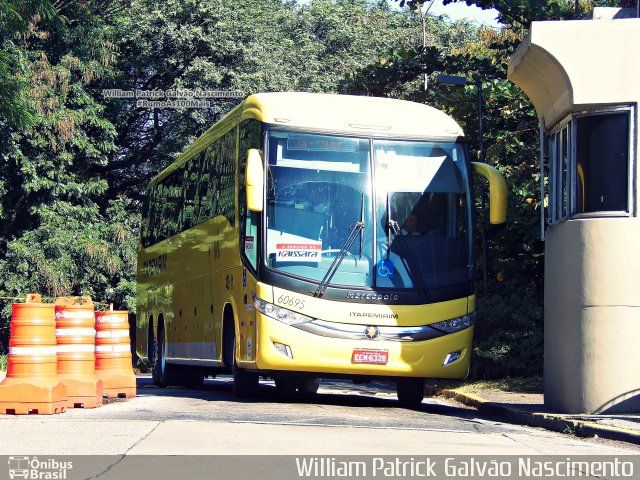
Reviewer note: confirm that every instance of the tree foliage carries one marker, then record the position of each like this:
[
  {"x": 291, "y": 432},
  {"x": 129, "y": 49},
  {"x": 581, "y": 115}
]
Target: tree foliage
[
  {"x": 56, "y": 233},
  {"x": 248, "y": 46}
]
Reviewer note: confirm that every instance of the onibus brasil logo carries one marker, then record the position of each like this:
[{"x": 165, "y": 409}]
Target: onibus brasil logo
[{"x": 37, "y": 469}]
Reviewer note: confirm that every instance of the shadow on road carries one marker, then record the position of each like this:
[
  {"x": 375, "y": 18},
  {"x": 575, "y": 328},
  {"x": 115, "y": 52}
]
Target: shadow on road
[{"x": 341, "y": 393}]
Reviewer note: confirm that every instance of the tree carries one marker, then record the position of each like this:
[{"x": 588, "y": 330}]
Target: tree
[
  {"x": 249, "y": 47},
  {"x": 57, "y": 235},
  {"x": 14, "y": 20}
]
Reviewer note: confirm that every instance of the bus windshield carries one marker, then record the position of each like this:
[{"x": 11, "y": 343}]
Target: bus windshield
[
  {"x": 423, "y": 212},
  {"x": 318, "y": 189},
  {"x": 415, "y": 233}
]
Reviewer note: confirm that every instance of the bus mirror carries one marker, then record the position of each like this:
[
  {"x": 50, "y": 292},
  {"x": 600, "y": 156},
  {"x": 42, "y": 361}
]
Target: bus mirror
[
  {"x": 497, "y": 192},
  {"x": 255, "y": 180}
]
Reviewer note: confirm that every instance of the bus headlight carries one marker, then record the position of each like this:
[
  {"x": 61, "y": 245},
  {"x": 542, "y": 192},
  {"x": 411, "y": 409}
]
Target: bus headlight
[
  {"x": 277, "y": 313},
  {"x": 455, "y": 324}
]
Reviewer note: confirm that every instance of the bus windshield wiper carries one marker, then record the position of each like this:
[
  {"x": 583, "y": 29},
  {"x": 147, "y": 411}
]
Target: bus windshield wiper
[
  {"x": 355, "y": 229},
  {"x": 362, "y": 229},
  {"x": 408, "y": 260}
]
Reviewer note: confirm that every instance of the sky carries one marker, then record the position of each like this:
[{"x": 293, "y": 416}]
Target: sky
[
  {"x": 455, "y": 11},
  {"x": 459, "y": 10}
]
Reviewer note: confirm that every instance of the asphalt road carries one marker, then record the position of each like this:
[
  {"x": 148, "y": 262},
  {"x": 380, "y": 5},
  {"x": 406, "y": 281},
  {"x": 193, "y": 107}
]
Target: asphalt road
[{"x": 342, "y": 419}]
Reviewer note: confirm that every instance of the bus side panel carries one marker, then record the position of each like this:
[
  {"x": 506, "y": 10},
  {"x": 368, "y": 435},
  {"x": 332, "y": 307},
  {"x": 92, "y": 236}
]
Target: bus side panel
[
  {"x": 209, "y": 321},
  {"x": 176, "y": 325},
  {"x": 249, "y": 318},
  {"x": 219, "y": 298},
  {"x": 226, "y": 279}
]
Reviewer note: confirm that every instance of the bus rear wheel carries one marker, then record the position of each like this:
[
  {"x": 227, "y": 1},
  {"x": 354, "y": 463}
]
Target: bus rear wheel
[
  {"x": 410, "y": 391},
  {"x": 191, "y": 377},
  {"x": 161, "y": 372}
]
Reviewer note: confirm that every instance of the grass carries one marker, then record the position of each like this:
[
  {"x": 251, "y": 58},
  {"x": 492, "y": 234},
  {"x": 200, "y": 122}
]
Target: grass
[
  {"x": 3, "y": 363},
  {"x": 507, "y": 384}
]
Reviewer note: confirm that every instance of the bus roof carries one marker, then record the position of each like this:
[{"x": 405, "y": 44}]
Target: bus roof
[{"x": 331, "y": 113}]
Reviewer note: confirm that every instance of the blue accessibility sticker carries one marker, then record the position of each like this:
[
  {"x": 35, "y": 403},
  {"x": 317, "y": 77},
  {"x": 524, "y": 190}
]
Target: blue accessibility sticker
[{"x": 386, "y": 268}]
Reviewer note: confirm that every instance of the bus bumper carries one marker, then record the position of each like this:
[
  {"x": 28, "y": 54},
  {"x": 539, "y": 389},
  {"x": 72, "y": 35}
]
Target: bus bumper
[{"x": 318, "y": 354}]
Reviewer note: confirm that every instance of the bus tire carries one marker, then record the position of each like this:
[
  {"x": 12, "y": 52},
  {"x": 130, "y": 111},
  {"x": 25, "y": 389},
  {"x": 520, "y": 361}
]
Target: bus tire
[
  {"x": 245, "y": 383},
  {"x": 309, "y": 385},
  {"x": 410, "y": 391},
  {"x": 190, "y": 378},
  {"x": 286, "y": 385},
  {"x": 161, "y": 371}
]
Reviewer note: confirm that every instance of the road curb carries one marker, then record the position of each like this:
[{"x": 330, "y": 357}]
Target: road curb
[{"x": 548, "y": 421}]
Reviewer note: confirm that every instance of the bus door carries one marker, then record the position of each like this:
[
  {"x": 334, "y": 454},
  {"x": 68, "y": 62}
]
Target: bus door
[{"x": 250, "y": 252}]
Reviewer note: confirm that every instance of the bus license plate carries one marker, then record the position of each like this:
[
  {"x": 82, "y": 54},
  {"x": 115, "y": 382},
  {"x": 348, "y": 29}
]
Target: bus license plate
[{"x": 377, "y": 357}]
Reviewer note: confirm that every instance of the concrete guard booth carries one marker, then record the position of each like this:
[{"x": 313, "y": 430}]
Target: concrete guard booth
[{"x": 583, "y": 77}]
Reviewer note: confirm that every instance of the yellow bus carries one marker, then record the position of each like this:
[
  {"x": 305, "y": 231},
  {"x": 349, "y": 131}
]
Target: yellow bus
[{"x": 309, "y": 236}]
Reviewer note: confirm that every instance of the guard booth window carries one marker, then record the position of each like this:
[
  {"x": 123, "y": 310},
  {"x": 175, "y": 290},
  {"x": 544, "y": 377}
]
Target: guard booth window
[
  {"x": 602, "y": 163},
  {"x": 589, "y": 161}
]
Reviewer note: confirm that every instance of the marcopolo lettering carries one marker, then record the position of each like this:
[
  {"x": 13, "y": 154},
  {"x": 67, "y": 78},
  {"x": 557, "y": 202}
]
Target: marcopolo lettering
[{"x": 372, "y": 296}]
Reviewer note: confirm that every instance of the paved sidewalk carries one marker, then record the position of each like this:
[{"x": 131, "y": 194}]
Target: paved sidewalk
[{"x": 528, "y": 409}]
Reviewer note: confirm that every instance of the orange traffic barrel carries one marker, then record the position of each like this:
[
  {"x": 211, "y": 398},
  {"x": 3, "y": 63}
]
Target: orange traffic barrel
[
  {"x": 75, "y": 336},
  {"x": 113, "y": 354},
  {"x": 31, "y": 385}
]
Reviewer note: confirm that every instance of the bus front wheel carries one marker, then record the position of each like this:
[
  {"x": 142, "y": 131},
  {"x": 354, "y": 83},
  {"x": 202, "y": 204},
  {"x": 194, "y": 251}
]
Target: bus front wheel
[
  {"x": 286, "y": 385},
  {"x": 291, "y": 385},
  {"x": 410, "y": 391},
  {"x": 309, "y": 385},
  {"x": 245, "y": 383}
]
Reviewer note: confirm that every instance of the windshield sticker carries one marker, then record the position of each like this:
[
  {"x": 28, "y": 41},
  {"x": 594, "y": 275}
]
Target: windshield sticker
[
  {"x": 313, "y": 143},
  {"x": 386, "y": 268},
  {"x": 312, "y": 164},
  {"x": 299, "y": 252},
  {"x": 248, "y": 243}
]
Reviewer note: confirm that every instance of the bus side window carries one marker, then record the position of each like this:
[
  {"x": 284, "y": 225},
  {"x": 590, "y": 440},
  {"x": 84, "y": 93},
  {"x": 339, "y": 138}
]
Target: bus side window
[
  {"x": 203, "y": 199},
  {"x": 190, "y": 189},
  {"x": 225, "y": 163}
]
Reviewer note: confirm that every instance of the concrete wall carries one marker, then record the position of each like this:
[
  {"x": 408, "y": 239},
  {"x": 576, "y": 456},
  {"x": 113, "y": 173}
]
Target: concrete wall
[
  {"x": 566, "y": 66},
  {"x": 592, "y": 316}
]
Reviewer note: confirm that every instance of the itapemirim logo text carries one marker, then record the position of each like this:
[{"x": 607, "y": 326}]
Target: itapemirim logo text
[{"x": 34, "y": 468}]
